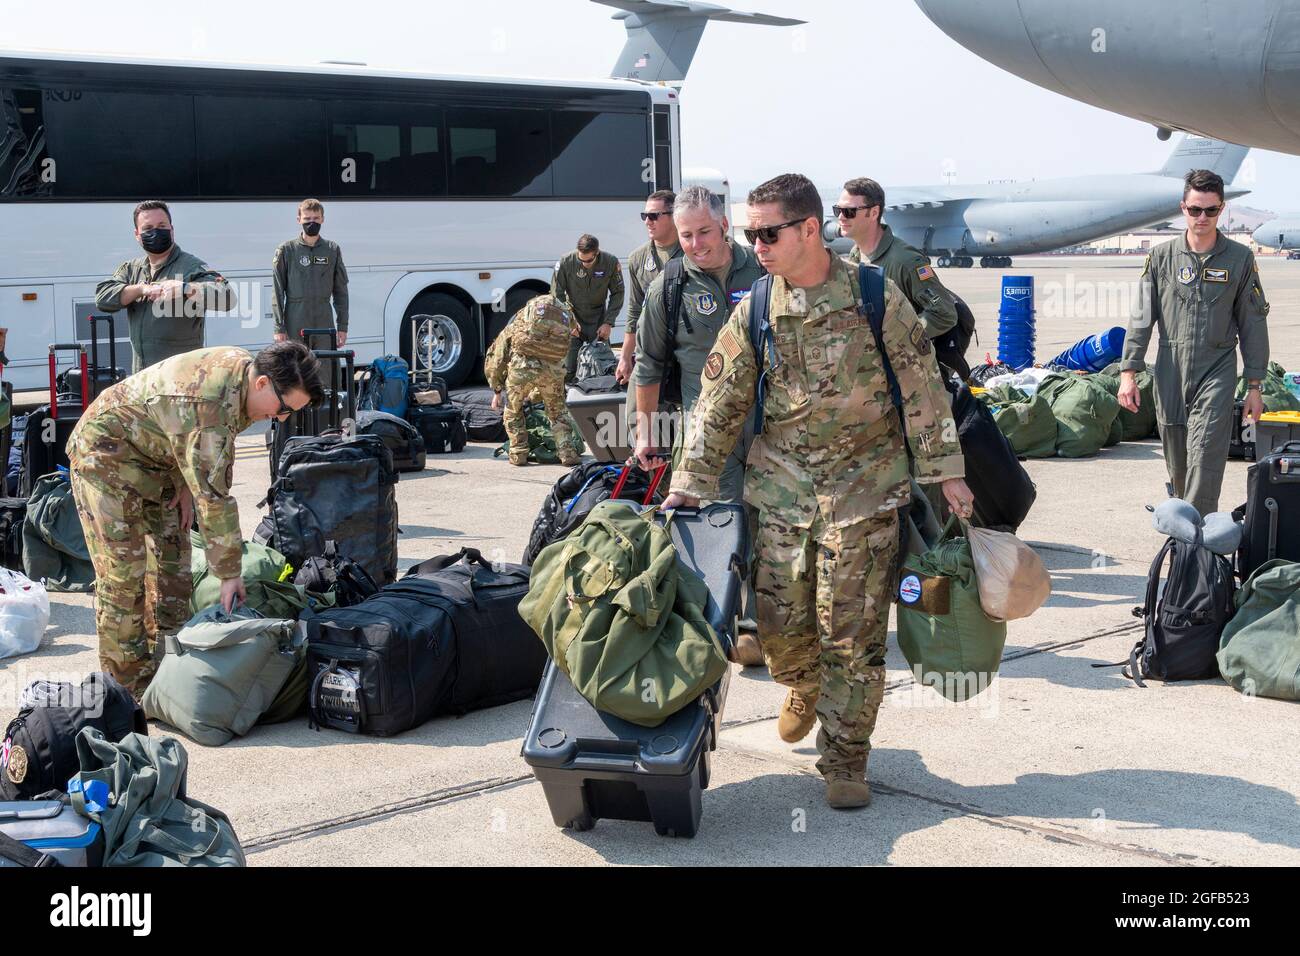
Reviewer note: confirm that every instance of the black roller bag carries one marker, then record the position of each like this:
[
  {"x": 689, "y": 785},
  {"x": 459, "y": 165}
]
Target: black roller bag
[
  {"x": 13, "y": 511},
  {"x": 1271, "y": 515},
  {"x": 338, "y": 373},
  {"x": 45, "y": 438},
  {"x": 482, "y": 421},
  {"x": 445, "y": 639},
  {"x": 403, "y": 439},
  {"x": 441, "y": 427},
  {"x": 593, "y": 765},
  {"x": 574, "y": 495}
]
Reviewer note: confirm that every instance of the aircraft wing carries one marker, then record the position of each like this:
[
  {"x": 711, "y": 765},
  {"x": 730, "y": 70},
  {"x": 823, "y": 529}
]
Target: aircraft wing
[
  {"x": 708, "y": 10},
  {"x": 914, "y": 197}
]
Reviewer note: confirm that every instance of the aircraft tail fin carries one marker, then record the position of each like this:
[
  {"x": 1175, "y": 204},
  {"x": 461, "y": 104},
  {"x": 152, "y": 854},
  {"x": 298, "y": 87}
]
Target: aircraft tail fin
[
  {"x": 1197, "y": 152},
  {"x": 663, "y": 35}
]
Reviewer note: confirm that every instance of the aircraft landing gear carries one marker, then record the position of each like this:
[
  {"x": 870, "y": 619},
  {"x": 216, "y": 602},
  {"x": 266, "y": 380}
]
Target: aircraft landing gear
[
  {"x": 995, "y": 262},
  {"x": 956, "y": 262}
]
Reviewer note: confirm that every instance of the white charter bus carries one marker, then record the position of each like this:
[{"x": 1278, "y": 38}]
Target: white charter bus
[{"x": 451, "y": 196}]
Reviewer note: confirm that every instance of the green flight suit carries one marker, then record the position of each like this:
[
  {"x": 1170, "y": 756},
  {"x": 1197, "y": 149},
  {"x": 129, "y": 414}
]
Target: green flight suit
[
  {"x": 911, "y": 271},
  {"x": 595, "y": 295},
  {"x": 643, "y": 267},
  {"x": 305, "y": 278},
  {"x": 705, "y": 308},
  {"x": 173, "y": 424},
  {"x": 160, "y": 330},
  {"x": 1202, "y": 304}
]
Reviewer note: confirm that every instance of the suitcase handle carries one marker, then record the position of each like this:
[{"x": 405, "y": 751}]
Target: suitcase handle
[
  {"x": 112, "y": 341},
  {"x": 307, "y": 334},
  {"x": 85, "y": 375},
  {"x": 656, "y": 476},
  {"x": 470, "y": 556},
  {"x": 348, "y": 358}
]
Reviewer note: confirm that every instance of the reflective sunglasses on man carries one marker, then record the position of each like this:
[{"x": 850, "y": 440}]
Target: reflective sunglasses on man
[
  {"x": 654, "y": 216},
  {"x": 1196, "y": 212},
  {"x": 849, "y": 212},
  {"x": 770, "y": 234}
]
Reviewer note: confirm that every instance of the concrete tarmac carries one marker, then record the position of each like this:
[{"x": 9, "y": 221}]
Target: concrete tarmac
[{"x": 1058, "y": 763}]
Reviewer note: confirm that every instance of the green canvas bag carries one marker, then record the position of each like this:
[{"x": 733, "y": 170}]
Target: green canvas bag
[
  {"x": 948, "y": 640},
  {"x": 130, "y": 788},
  {"x": 1273, "y": 389},
  {"x": 221, "y": 672},
  {"x": 622, "y": 617},
  {"x": 1259, "y": 651},
  {"x": 1026, "y": 420},
  {"x": 542, "y": 448},
  {"x": 1084, "y": 411},
  {"x": 1142, "y": 423},
  {"x": 268, "y": 582}
]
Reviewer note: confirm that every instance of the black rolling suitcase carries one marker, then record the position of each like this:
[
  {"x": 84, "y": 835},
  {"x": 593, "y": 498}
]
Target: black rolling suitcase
[
  {"x": 329, "y": 417},
  {"x": 441, "y": 427},
  {"x": 45, "y": 438},
  {"x": 101, "y": 376},
  {"x": 1271, "y": 515},
  {"x": 482, "y": 421},
  {"x": 592, "y": 765},
  {"x": 403, "y": 439}
]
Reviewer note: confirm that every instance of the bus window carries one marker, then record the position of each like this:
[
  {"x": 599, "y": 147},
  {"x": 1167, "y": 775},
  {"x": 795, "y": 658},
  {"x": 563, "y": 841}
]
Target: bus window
[
  {"x": 387, "y": 149},
  {"x": 23, "y": 170},
  {"x": 600, "y": 154},
  {"x": 663, "y": 148},
  {"x": 499, "y": 152},
  {"x": 263, "y": 147}
]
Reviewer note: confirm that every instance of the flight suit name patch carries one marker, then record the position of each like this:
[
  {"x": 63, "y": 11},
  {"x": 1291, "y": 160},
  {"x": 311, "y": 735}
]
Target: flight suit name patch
[
  {"x": 1214, "y": 275},
  {"x": 846, "y": 322}
]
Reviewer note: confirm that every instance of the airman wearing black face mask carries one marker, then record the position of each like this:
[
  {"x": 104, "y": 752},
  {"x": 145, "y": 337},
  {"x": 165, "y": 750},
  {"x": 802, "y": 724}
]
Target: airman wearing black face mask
[
  {"x": 308, "y": 272},
  {"x": 166, "y": 292}
]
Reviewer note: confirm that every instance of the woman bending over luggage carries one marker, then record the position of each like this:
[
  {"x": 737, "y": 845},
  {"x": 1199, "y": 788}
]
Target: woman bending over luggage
[{"x": 151, "y": 451}]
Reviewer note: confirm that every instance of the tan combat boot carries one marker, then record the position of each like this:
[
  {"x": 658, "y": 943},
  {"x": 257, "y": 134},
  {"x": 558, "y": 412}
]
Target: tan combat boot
[
  {"x": 747, "y": 651},
  {"x": 846, "y": 791},
  {"x": 518, "y": 461},
  {"x": 570, "y": 461},
  {"x": 797, "y": 716}
]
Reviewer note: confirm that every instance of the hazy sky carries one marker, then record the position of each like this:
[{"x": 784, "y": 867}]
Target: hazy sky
[{"x": 865, "y": 88}]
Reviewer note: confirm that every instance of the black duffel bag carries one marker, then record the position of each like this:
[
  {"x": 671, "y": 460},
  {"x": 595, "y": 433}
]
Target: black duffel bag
[
  {"x": 575, "y": 494},
  {"x": 482, "y": 421},
  {"x": 40, "y": 746},
  {"x": 403, "y": 439},
  {"x": 1003, "y": 490},
  {"x": 445, "y": 639}
]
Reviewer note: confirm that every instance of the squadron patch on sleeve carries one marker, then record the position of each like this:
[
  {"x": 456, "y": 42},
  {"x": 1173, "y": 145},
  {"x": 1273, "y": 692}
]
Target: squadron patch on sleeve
[
  {"x": 714, "y": 366},
  {"x": 920, "y": 340}
]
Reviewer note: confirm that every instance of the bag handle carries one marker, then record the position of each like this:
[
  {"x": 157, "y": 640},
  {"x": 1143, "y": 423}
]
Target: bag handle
[
  {"x": 243, "y": 631},
  {"x": 442, "y": 562}
]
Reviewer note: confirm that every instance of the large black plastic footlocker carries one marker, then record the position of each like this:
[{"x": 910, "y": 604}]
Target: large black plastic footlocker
[{"x": 593, "y": 765}]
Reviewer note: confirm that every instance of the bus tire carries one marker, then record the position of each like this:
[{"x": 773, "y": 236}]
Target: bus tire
[{"x": 456, "y": 336}]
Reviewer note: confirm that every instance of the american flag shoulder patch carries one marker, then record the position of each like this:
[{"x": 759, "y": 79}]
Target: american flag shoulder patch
[
  {"x": 924, "y": 272},
  {"x": 727, "y": 343}
]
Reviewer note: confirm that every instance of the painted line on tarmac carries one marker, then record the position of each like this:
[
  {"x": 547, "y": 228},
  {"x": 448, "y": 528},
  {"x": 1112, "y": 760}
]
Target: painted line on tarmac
[
  {"x": 991, "y": 818},
  {"x": 384, "y": 811}
]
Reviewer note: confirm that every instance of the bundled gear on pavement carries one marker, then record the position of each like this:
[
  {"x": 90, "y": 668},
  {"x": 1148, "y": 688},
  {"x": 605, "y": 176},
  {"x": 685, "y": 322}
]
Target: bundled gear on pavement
[
  {"x": 1259, "y": 651},
  {"x": 1084, "y": 411},
  {"x": 1025, "y": 419},
  {"x": 54, "y": 544},
  {"x": 542, "y": 446},
  {"x": 1142, "y": 423},
  {"x": 1273, "y": 389},
  {"x": 268, "y": 582}
]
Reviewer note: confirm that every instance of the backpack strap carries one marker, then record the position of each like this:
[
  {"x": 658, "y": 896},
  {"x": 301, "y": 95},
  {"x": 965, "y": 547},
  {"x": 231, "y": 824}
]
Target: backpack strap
[
  {"x": 674, "y": 280},
  {"x": 1149, "y": 612},
  {"x": 871, "y": 284},
  {"x": 760, "y": 338}
]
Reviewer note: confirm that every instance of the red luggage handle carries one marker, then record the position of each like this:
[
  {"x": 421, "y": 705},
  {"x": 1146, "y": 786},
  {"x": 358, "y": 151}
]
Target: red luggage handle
[
  {"x": 85, "y": 377},
  {"x": 656, "y": 477}
]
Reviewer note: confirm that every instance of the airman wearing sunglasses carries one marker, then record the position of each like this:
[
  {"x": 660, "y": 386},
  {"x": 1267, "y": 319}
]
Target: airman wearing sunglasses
[
  {"x": 826, "y": 475},
  {"x": 591, "y": 282},
  {"x": 644, "y": 265},
  {"x": 148, "y": 456},
  {"x": 1203, "y": 293}
]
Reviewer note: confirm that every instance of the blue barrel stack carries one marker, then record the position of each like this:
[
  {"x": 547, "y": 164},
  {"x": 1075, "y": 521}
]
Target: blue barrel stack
[
  {"x": 1093, "y": 353},
  {"x": 1016, "y": 322}
]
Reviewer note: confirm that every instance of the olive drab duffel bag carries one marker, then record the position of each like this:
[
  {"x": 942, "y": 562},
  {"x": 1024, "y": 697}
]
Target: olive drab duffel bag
[
  {"x": 948, "y": 640},
  {"x": 1259, "y": 652},
  {"x": 1084, "y": 411},
  {"x": 622, "y": 618},
  {"x": 1026, "y": 420}
]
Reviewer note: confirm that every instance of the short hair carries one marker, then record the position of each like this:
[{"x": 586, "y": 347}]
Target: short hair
[
  {"x": 867, "y": 189},
  {"x": 795, "y": 194},
  {"x": 1203, "y": 181},
  {"x": 700, "y": 197},
  {"x": 311, "y": 205},
  {"x": 588, "y": 243},
  {"x": 666, "y": 196},
  {"x": 291, "y": 365},
  {"x": 146, "y": 206}
]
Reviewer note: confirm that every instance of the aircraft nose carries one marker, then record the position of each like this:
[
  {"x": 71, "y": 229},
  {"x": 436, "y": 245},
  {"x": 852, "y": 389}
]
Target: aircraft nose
[
  {"x": 1259, "y": 234},
  {"x": 994, "y": 30}
]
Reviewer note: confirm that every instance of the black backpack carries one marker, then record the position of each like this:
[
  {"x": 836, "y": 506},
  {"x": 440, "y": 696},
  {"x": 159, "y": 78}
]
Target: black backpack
[
  {"x": 337, "y": 574},
  {"x": 40, "y": 746},
  {"x": 403, "y": 439},
  {"x": 575, "y": 494},
  {"x": 1185, "y": 619}
]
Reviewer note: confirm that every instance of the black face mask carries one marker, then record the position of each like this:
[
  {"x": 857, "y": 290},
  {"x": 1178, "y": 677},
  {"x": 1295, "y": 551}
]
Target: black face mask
[
  {"x": 311, "y": 228},
  {"x": 156, "y": 240}
]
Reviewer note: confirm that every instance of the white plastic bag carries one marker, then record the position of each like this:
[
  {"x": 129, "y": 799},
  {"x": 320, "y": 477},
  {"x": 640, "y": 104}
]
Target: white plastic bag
[
  {"x": 1011, "y": 578},
  {"x": 24, "y": 613}
]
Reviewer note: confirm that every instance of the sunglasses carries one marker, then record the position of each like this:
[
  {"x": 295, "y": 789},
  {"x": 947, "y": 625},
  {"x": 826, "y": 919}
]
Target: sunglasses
[
  {"x": 769, "y": 234},
  {"x": 848, "y": 212},
  {"x": 1196, "y": 212},
  {"x": 284, "y": 408},
  {"x": 654, "y": 216}
]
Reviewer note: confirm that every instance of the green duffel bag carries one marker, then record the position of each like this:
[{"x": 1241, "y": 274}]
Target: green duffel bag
[
  {"x": 1259, "y": 652},
  {"x": 1142, "y": 423},
  {"x": 542, "y": 448},
  {"x": 222, "y": 672},
  {"x": 133, "y": 790},
  {"x": 1026, "y": 420},
  {"x": 268, "y": 582},
  {"x": 948, "y": 640},
  {"x": 1111, "y": 384},
  {"x": 1273, "y": 389},
  {"x": 1084, "y": 413},
  {"x": 622, "y": 617}
]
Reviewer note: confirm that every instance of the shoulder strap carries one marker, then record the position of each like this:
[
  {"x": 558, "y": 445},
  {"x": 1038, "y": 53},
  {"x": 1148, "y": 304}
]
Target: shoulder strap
[
  {"x": 871, "y": 282},
  {"x": 760, "y": 337},
  {"x": 674, "y": 281},
  {"x": 22, "y": 854}
]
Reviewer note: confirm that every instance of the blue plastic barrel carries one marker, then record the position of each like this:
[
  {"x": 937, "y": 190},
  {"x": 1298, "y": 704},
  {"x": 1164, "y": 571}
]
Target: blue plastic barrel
[
  {"x": 1016, "y": 322},
  {"x": 1093, "y": 353}
]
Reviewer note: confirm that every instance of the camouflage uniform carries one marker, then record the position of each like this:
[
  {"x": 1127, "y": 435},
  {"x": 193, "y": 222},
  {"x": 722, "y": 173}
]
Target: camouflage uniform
[
  {"x": 160, "y": 330},
  {"x": 827, "y": 476},
  {"x": 595, "y": 295},
  {"x": 138, "y": 442},
  {"x": 1203, "y": 303},
  {"x": 525, "y": 361}
]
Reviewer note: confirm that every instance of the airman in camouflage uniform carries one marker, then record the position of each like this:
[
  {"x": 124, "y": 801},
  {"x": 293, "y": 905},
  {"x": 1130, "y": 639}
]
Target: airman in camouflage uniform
[
  {"x": 826, "y": 475},
  {"x": 140, "y": 446},
  {"x": 590, "y": 282},
  {"x": 526, "y": 361}
]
